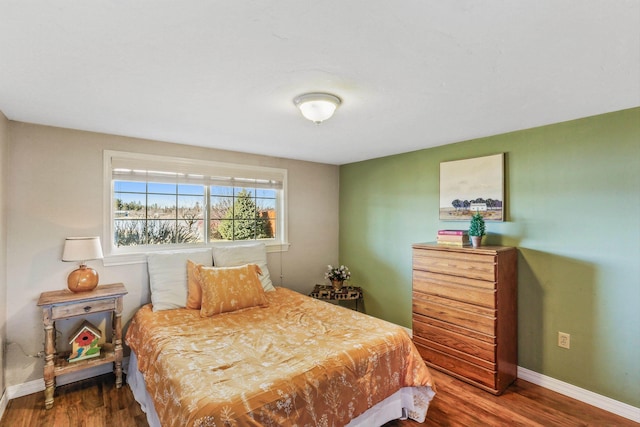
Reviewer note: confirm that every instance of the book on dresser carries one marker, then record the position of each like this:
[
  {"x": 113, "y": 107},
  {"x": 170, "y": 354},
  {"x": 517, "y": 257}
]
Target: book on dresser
[
  {"x": 453, "y": 232},
  {"x": 453, "y": 237},
  {"x": 457, "y": 241},
  {"x": 465, "y": 312}
]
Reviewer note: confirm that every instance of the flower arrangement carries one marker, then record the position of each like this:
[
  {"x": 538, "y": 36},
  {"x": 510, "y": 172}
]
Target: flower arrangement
[{"x": 337, "y": 273}]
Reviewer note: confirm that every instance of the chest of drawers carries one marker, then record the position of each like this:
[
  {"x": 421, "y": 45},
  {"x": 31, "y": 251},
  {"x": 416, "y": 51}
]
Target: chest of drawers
[{"x": 465, "y": 312}]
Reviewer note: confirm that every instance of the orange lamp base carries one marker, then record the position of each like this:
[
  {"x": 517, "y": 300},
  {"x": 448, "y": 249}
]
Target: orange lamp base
[{"x": 82, "y": 279}]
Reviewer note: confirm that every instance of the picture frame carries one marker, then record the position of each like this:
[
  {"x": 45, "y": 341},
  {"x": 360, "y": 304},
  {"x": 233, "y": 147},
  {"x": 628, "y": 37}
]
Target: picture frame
[{"x": 472, "y": 185}]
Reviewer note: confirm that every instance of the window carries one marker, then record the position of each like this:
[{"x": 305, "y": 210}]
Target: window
[{"x": 159, "y": 202}]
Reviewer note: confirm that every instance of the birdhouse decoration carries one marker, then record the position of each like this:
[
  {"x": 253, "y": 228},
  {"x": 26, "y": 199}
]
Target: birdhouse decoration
[{"x": 84, "y": 342}]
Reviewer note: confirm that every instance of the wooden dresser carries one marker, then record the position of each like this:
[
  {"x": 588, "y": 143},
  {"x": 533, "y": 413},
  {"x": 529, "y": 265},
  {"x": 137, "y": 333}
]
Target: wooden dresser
[{"x": 465, "y": 312}]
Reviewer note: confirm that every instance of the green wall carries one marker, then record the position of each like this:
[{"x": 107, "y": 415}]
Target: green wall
[{"x": 572, "y": 194}]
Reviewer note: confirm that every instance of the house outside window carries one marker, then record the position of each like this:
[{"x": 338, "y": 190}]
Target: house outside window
[{"x": 160, "y": 203}]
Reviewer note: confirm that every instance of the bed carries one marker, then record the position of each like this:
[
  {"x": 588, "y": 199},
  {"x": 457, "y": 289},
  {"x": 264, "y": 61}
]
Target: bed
[{"x": 285, "y": 360}]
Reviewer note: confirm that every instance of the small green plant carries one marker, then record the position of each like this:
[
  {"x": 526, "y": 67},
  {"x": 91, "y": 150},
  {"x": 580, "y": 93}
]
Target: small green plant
[{"x": 477, "y": 225}]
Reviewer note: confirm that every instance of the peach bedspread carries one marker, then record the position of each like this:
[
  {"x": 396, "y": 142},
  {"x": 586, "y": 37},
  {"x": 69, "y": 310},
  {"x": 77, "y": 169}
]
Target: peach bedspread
[{"x": 296, "y": 362}]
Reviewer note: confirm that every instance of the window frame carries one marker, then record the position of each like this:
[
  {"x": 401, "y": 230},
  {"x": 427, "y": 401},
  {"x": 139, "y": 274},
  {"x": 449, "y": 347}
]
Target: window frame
[{"x": 114, "y": 255}]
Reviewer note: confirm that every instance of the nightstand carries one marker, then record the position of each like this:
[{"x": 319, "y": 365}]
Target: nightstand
[
  {"x": 59, "y": 305},
  {"x": 346, "y": 293}
]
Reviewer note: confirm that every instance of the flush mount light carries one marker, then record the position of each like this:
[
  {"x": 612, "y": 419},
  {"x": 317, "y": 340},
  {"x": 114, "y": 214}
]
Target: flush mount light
[{"x": 317, "y": 107}]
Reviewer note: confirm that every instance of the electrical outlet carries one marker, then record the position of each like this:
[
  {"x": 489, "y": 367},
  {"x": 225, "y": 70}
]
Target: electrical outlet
[{"x": 564, "y": 340}]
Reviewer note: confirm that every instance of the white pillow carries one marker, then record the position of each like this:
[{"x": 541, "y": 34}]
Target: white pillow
[
  {"x": 168, "y": 276},
  {"x": 245, "y": 253}
]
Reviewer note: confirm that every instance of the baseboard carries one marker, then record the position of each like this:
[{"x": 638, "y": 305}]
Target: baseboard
[
  {"x": 36, "y": 386},
  {"x": 586, "y": 396},
  {"x": 4, "y": 400}
]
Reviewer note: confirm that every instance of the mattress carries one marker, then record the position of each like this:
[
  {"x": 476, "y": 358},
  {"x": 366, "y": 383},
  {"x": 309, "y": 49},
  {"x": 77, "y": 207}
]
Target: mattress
[{"x": 296, "y": 361}]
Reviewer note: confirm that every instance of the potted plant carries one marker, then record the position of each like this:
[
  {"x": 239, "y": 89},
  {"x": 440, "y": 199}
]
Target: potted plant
[
  {"x": 337, "y": 276},
  {"x": 476, "y": 229}
]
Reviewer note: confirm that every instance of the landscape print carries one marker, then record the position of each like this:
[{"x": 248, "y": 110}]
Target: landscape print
[{"x": 472, "y": 185}]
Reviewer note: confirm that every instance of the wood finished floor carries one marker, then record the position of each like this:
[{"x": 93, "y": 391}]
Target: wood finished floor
[{"x": 97, "y": 403}]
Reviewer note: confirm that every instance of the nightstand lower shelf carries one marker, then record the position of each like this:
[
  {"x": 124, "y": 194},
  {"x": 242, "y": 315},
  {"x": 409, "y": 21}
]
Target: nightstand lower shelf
[{"x": 61, "y": 366}]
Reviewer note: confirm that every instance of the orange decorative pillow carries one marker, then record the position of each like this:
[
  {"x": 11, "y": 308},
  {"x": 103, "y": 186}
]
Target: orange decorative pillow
[
  {"x": 227, "y": 289},
  {"x": 194, "y": 289}
]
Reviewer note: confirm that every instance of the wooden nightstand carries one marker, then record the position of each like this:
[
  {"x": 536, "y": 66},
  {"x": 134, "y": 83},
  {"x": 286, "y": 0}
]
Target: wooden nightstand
[
  {"x": 59, "y": 305},
  {"x": 326, "y": 292}
]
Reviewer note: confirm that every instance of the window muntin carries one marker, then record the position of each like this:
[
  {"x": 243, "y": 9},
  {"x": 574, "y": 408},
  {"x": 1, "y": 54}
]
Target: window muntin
[
  {"x": 156, "y": 202},
  {"x": 152, "y": 213}
]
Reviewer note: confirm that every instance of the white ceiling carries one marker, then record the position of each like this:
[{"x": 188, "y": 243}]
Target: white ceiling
[{"x": 411, "y": 74}]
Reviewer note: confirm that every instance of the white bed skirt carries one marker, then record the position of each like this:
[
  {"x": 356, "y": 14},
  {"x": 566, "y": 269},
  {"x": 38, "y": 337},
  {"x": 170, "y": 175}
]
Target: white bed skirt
[{"x": 399, "y": 405}]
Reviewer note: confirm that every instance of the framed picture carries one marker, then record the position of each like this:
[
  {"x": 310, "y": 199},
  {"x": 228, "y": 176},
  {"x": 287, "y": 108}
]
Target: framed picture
[{"x": 470, "y": 186}]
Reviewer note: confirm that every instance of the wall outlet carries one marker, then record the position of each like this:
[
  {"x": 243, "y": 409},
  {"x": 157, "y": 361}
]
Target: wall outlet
[{"x": 564, "y": 340}]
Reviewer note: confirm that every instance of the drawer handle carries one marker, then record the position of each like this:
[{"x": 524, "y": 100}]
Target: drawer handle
[{"x": 87, "y": 309}]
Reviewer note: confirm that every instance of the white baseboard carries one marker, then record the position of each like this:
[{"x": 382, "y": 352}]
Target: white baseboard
[
  {"x": 36, "y": 386},
  {"x": 3, "y": 404},
  {"x": 586, "y": 396}
]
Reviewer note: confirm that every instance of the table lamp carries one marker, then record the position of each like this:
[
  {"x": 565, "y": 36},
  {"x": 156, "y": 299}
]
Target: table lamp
[{"x": 82, "y": 249}]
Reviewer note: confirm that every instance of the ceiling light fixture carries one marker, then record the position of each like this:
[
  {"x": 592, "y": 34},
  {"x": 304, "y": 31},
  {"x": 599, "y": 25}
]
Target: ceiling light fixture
[{"x": 317, "y": 107}]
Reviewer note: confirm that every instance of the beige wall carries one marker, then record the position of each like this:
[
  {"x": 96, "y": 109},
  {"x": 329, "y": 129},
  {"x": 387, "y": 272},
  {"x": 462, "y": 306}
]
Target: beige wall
[
  {"x": 4, "y": 142},
  {"x": 56, "y": 191}
]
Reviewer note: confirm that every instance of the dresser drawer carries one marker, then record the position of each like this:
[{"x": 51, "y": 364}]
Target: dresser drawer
[
  {"x": 477, "y": 266},
  {"x": 424, "y": 320},
  {"x": 442, "y": 285},
  {"x": 475, "y": 318},
  {"x": 82, "y": 308},
  {"x": 458, "y": 280},
  {"x": 462, "y": 343},
  {"x": 443, "y": 349},
  {"x": 436, "y": 359}
]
